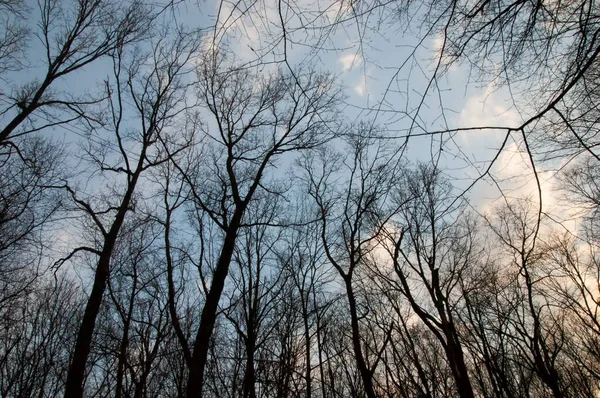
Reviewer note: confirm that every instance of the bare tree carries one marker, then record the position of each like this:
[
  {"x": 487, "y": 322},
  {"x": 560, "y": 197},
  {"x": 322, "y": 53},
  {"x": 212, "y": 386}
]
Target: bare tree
[
  {"x": 351, "y": 220},
  {"x": 431, "y": 250},
  {"x": 571, "y": 284},
  {"x": 224, "y": 248},
  {"x": 28, "y": 205},
  {"x": 138, "y": 302},
  {"x": 255, "y": 288},
  {"x": 158, "y": 95},
  {"x": 13, "y": 35},
  {"x": 303, "y": 258},
  {"x": 532, "y": 324},
  {"x": 578, "y": 184},
  {"x": 72, "y": 35},
  {"x": 36, "y": 336},
  {"x": 254, "y": 121}
]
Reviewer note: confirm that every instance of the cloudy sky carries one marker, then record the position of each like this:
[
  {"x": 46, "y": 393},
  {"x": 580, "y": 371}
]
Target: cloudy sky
[{"x": 386, "y": 65}]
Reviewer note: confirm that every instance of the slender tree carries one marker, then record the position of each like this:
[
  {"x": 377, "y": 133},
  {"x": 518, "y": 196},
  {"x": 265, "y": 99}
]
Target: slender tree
[
  {"x": 157, "y": 95},
  {"x": 254, "y": 122},
  {"x": 73, "y": 35},
  {"x": 351, "y": 221}
]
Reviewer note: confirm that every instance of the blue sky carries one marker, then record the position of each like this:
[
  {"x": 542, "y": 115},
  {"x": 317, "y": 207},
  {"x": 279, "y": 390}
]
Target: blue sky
[{"x": 385, "y": 67}]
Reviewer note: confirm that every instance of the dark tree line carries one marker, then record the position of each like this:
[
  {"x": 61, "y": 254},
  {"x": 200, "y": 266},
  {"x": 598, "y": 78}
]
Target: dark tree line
[{"x": 176, "y": 220}]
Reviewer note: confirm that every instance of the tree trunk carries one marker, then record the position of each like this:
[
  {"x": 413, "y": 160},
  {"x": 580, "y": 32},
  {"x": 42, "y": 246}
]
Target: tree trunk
[
  {"x": 209, "y": 313},
  {"x": 249, "y": 390},
  {"x": 76, "y": 374},
  {"x": 307, "y": 376},
  {"x": 457, "y": 363},
  {"x": 365, "y": 373}
]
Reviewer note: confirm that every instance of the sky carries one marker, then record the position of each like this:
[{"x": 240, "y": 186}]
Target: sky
[{"x": 385, "y": 66}]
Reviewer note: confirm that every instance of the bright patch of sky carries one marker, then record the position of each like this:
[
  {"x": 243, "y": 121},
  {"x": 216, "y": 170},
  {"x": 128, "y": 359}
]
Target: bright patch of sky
[{"x": 386, "y": 73}]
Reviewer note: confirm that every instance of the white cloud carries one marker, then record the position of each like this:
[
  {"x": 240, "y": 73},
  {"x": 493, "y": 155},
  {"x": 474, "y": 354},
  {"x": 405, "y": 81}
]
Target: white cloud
[
  {"x": 335, "y": 10},
  {"x": 243, "y": 29},
  {"x": 512, "y": 170},
  {"x": 491, "y": 108},
  {"x": 349, "y": 61},
  {"x": 515, "y": 175},
  {"x": 361, "y": 88},
  {"x": 438, "y": 45},
  {"x": 250, "y": 29}
]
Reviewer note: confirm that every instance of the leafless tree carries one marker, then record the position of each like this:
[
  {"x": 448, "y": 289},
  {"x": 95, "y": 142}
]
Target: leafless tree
[
  {"x": 13, "y": 35},
  {"x": 36, "y": 336},
  {"x": 533, "y": 326},
  {"x": 253, "y": 122},
  {"x": 28, "y": 205},
  {"x": 210, "y": 226},
  {"x": 303, "y": 259},
  {"x": 72, "y": 36},
  {"x": 155, "y": 84},
  {"x": 432, "y": 249},
  {"x": 351, "y": 220}
]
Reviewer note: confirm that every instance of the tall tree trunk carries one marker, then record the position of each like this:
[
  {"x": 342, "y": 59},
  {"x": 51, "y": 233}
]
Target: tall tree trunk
[
  {"x": 249, "y": 390},
  {"x": 76, "y": 374},
  {"x": 123, "y": 347},
  {"x": 307, "y": 376},
  {"x": 209, "y": 312},
  {"x": 364, "y": 371},
  {"x": 320, "y": 347},
  {"x": 456, "y": 360}
]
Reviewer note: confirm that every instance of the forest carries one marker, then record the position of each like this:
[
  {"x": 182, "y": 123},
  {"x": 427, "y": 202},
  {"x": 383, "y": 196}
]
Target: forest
[{"x": 197, "y": 200}]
